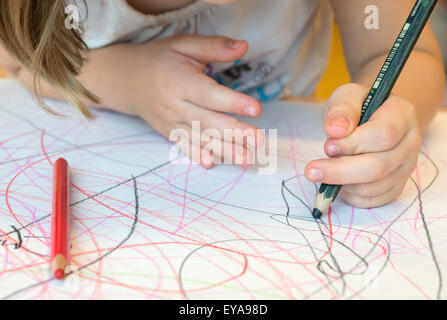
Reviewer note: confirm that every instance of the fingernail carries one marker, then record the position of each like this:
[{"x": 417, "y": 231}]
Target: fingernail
[
  {"x": 250, "y": 111},
  {"x": 234, "y": 44},
  {"x": 340, "y": 121},
  {"x": 315, "y": 174},
  {"x": 332, "y": 150}
]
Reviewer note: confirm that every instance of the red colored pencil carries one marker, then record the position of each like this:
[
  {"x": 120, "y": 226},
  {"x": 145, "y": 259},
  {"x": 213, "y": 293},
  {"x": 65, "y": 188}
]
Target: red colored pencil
[{"x": 60, "y": 223}]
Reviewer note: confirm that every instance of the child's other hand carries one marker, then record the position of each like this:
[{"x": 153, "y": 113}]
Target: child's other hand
[
  {"x": 373, "y": 161},
  {"x": 170, "y": 90}
]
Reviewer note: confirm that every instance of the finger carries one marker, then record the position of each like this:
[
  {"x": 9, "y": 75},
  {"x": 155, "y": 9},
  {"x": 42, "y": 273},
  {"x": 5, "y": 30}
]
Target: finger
[
  {"x": 363, "y": 168},
  {"x": 223, "y": 151},
  {"x": 386, "y": 128},
  {"x": 197, "y": 154},
  {"x": 230, "y": 128},
  {"x": 348, "y": 170},
  {"x": 203, "y": 91},
  {"x": 207, "y": 148},
  {"x": 207, "y": 151},
  {"x": 377, "y": 188},
  {"x": 373, "y": 202},
  {"x": 343, "y": 110},
  {"x": 180, "y": 136},
  {"x": 209, "y": 48},
  {"x": 230, "y": 153}
]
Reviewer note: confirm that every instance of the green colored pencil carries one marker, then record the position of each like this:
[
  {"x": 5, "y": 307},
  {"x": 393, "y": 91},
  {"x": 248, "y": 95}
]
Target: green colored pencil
[{"x": 384, "y": 83}]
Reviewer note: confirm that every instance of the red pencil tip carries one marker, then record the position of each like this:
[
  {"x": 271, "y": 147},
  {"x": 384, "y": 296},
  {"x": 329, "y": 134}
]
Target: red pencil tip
[{"x": 59, "y": 274}]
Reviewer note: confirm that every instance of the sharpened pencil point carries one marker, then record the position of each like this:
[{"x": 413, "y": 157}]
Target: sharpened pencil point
[{"x": 317, "y": 213}]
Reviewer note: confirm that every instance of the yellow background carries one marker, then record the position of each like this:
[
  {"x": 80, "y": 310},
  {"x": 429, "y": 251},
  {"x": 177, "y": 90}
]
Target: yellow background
[{"x": 337, "y": 72}]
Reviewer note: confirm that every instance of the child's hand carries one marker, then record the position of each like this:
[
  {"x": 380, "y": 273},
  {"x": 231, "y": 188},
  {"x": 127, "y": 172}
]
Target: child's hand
[
  {"x": 170, "y": 90},
  {"x": 374, "y": 161}
]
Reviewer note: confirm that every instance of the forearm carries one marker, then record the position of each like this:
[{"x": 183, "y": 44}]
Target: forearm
[
  {"x": 421, "y": 82},
  {"x": 102, "y": 74}
]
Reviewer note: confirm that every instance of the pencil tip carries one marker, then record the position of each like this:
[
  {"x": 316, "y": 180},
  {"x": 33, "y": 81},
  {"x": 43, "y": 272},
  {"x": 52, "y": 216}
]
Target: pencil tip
[
  {"x": 59, "y": 274},
  {"x": 316, "y": 213}
]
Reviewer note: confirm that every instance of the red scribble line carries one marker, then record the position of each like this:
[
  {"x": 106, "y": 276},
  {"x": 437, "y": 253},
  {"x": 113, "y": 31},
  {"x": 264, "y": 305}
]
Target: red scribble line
[
  {"x": 401, "y": 273},
  {"x": 7, "y": 197},
  {"x": 198, "y": 211},
  {"x": 409, "y": 280},
  {"x": 184, "y": 243},
  {"x": 101, "y": 203},
  {"x": 230, "y": 230},
  {"x": 227, "y": 280},
  {"x": 100, "y": 262},
  {"x": 184, "y": 198},
  {"x": 15, "y": 137},
  {"x": 245, "y": 266},
  {"x": 42, "y": 146},
  {"x": 122, "y": 214},
  {"x": 418, "y": 184},
  {"x": 169, "y": 199},
  {"x": 331, "y": 235}
]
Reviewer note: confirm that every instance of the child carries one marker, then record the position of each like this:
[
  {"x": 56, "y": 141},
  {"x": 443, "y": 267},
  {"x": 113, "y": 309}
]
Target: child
[{"x": 172, "y": 62}]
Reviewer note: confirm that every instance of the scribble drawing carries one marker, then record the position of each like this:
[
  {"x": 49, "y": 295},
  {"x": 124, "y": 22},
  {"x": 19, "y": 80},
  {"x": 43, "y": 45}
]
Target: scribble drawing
[{"x": 143, "y": 227}]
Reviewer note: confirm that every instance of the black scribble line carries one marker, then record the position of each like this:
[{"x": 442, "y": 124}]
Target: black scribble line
[
  {"x": 379, "y": 238},
  {"x": 29, "y": 224},
  {"x": 19, "y": 238},
  {"x": 362, "y": 260},
  {"x": 213, "y": 244},
  {"x": 334, "y": 260},
  {"x": 36, "y": 253},
  {"x": 201, "y": 197},
  {"x": 435, "y": 260},
  {"x": 80, "y": 201},
  {"x": 309, "y": 245},
  {"x": 18, "y": 244},
  {"x": 335, "y": 240},
  {"x": 31, "y": 286},
  {"x": 324, "y": 236},
  {"x": 311, "y": 248},
  {"x": 92, "y": 196},
  {"x": 388, "y": 249},
  {"x": 430, "y": 243},
  {"x": 283, "y": 186},
  {"x": 122, "y": 183},
  {"x": 418, "y": 197},
  {"x": 128, "y": 236},
  {"x": 131, "y": 232},
  {"x": 75, "y": 147},
  {"x": 37, "y": 237},
  {"x": 381, "y": 235}
]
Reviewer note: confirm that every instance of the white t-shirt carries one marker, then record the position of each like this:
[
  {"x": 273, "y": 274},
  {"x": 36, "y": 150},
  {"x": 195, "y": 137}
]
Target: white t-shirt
[{"x": 289, "y": 39}]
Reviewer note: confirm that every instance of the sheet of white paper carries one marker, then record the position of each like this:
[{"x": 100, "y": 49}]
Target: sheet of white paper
[{"x": 143, "y": 227}]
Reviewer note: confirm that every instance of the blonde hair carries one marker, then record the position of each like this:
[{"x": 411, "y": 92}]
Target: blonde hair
[{"x": 33, "y": 32}]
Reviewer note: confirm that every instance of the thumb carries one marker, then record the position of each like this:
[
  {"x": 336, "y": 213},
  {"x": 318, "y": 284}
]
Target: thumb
[
  {"x": 210, "y": 48},
  {"x": 342, "y": 113}
]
